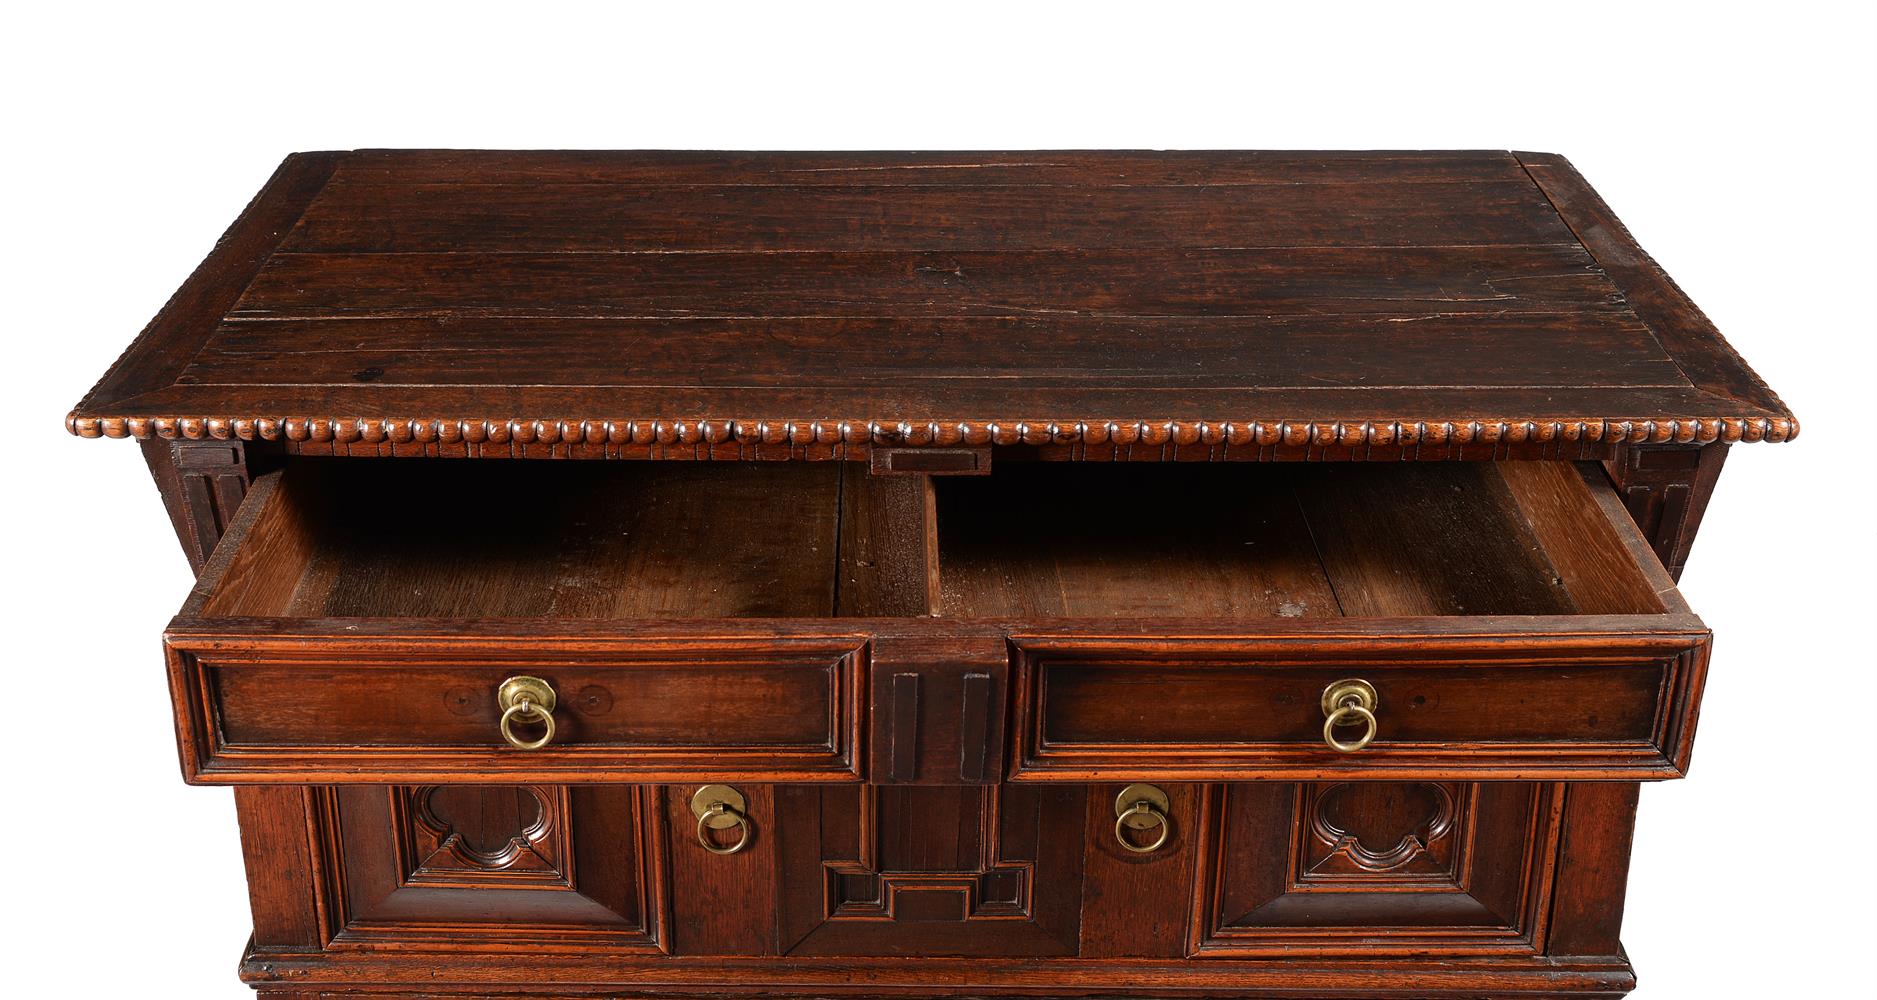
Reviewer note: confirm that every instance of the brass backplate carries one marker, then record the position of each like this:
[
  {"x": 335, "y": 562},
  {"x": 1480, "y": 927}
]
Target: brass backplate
[
  {"x": 710, "y": 795},
  {"x": 1150, "y": 794},
  {"x": 1352, "y": 687},
  {"x": 534, "y": 689}
]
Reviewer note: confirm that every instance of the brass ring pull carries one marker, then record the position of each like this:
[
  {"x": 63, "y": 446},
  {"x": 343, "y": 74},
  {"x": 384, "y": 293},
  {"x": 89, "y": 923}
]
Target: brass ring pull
[
  {"x": 715, "y": 813},
  {"x": 526, "y": 711},
  {"x": 1145, "y": 810},
  {"x": 1141, "y": 807},
  {"x": 526, "y": 699},
  {"x": 720, "y": 807},
  {"x": 1347, "y": 703},
  {"x": 1344, "y": 716}
]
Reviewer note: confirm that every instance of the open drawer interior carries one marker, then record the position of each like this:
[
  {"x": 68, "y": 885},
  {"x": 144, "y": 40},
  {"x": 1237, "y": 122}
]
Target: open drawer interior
[
  {"x": 363, "y": 619},
  {"x": 646, "y": 540},
  {"x": 1291, "y": 541},
  {"x": 433, "y": 539}
]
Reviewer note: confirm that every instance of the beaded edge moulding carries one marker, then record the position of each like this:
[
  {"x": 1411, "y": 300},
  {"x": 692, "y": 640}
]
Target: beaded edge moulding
[{"x": 1701, "y": 430}]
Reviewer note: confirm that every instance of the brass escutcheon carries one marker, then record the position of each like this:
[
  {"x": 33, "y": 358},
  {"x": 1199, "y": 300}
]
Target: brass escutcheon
[
  {"x": 1141, "y": 807},
  {"x": 526, "y": 699},
  {"x": 1349, "y": 702}
]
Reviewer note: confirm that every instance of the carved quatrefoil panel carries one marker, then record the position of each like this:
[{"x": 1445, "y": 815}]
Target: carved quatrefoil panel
[
  {"x": 490, "y": 835},
  {"x": 1410, "y": 834}
]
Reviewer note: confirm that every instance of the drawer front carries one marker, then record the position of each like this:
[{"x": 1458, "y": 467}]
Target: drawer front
[
  {"x": 1480, "y": 707},
  {"x": 427, "y": 709}
]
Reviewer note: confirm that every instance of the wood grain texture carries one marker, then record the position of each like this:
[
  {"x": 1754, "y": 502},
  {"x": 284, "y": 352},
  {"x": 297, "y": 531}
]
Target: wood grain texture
[
  {"x": 723, "y": 904},
  {"x": 1122, "y": 540},
  {"x": 584, "y": 541},
  {"x": 888, "y": 545},
  {"x": 754, "y": 298},
  {"x": 277, "y": 844},
  {"x": 1124, "y": 887},
  {"x": 1289, "y": 541},
  {"x": 350, "y": 216},
  {"x": 185, "y": 321},
  {"x": 1593, "y": 869},
  {"x": 1710, "y": 363},
  {"x": 1427, "y": 540},
  {"x": 1593, "y": 558}
]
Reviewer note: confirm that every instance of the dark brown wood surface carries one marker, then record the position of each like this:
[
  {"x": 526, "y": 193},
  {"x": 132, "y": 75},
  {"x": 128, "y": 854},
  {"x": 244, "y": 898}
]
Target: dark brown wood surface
[{"x": 468, "y": 301}]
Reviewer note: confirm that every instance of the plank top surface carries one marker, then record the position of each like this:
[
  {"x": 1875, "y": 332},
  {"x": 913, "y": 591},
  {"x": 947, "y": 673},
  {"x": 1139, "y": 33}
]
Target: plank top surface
[{"x": 918, "y": 298}]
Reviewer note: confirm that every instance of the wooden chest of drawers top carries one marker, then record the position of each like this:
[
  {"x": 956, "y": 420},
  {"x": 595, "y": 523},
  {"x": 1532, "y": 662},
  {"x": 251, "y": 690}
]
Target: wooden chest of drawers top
[{"x": 1089, "y": 305}]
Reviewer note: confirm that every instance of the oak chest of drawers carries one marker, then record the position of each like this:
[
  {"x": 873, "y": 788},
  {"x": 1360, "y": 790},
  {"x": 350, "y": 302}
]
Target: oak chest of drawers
[{"x": 1132, "y": 574}]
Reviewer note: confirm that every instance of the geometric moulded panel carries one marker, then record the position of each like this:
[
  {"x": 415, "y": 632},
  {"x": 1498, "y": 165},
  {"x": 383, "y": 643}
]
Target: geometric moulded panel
[{"x": 986, "y": 870}]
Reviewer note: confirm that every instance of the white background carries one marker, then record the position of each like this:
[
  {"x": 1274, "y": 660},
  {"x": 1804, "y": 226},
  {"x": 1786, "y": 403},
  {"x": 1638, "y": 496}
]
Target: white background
[{"x": 1736, "y": 143}]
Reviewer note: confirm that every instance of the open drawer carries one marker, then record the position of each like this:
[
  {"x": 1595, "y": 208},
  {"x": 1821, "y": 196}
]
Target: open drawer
[
  {"x": 361, "y": 621},
  {"x": 1502, "y": 621}
]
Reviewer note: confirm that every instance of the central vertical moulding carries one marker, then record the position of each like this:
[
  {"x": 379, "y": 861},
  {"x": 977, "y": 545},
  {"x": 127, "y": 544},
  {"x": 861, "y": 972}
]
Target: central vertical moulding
[
  {"x": 888, "y": 560},
  {"x": 938, "y": 700}
]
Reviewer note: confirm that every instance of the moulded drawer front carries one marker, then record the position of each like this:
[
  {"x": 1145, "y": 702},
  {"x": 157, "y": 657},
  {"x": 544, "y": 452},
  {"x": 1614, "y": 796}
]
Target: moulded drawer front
[
  {"x": 1488, "y": 707},
  {"x": 426, "y": 709}
]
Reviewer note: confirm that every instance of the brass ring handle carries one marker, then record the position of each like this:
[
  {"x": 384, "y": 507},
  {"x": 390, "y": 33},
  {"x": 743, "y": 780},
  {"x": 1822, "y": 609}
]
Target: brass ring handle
[
  {"x": 523, "y": 710},
  {"x": 720, "y": 807},
  {"x": 1142, "y": 807},
  {"x": 1341, "y": 717},
  {"x": 710, "y": 819},
  {"x": 526, "y": 699},
  {"x": 1145, "y": 809},
  {"x": 1347, "y": 703}
]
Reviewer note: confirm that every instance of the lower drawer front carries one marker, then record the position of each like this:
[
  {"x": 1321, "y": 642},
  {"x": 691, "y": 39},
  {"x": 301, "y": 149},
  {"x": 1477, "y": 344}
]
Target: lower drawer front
[{"x": 1212, "y": 871}]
